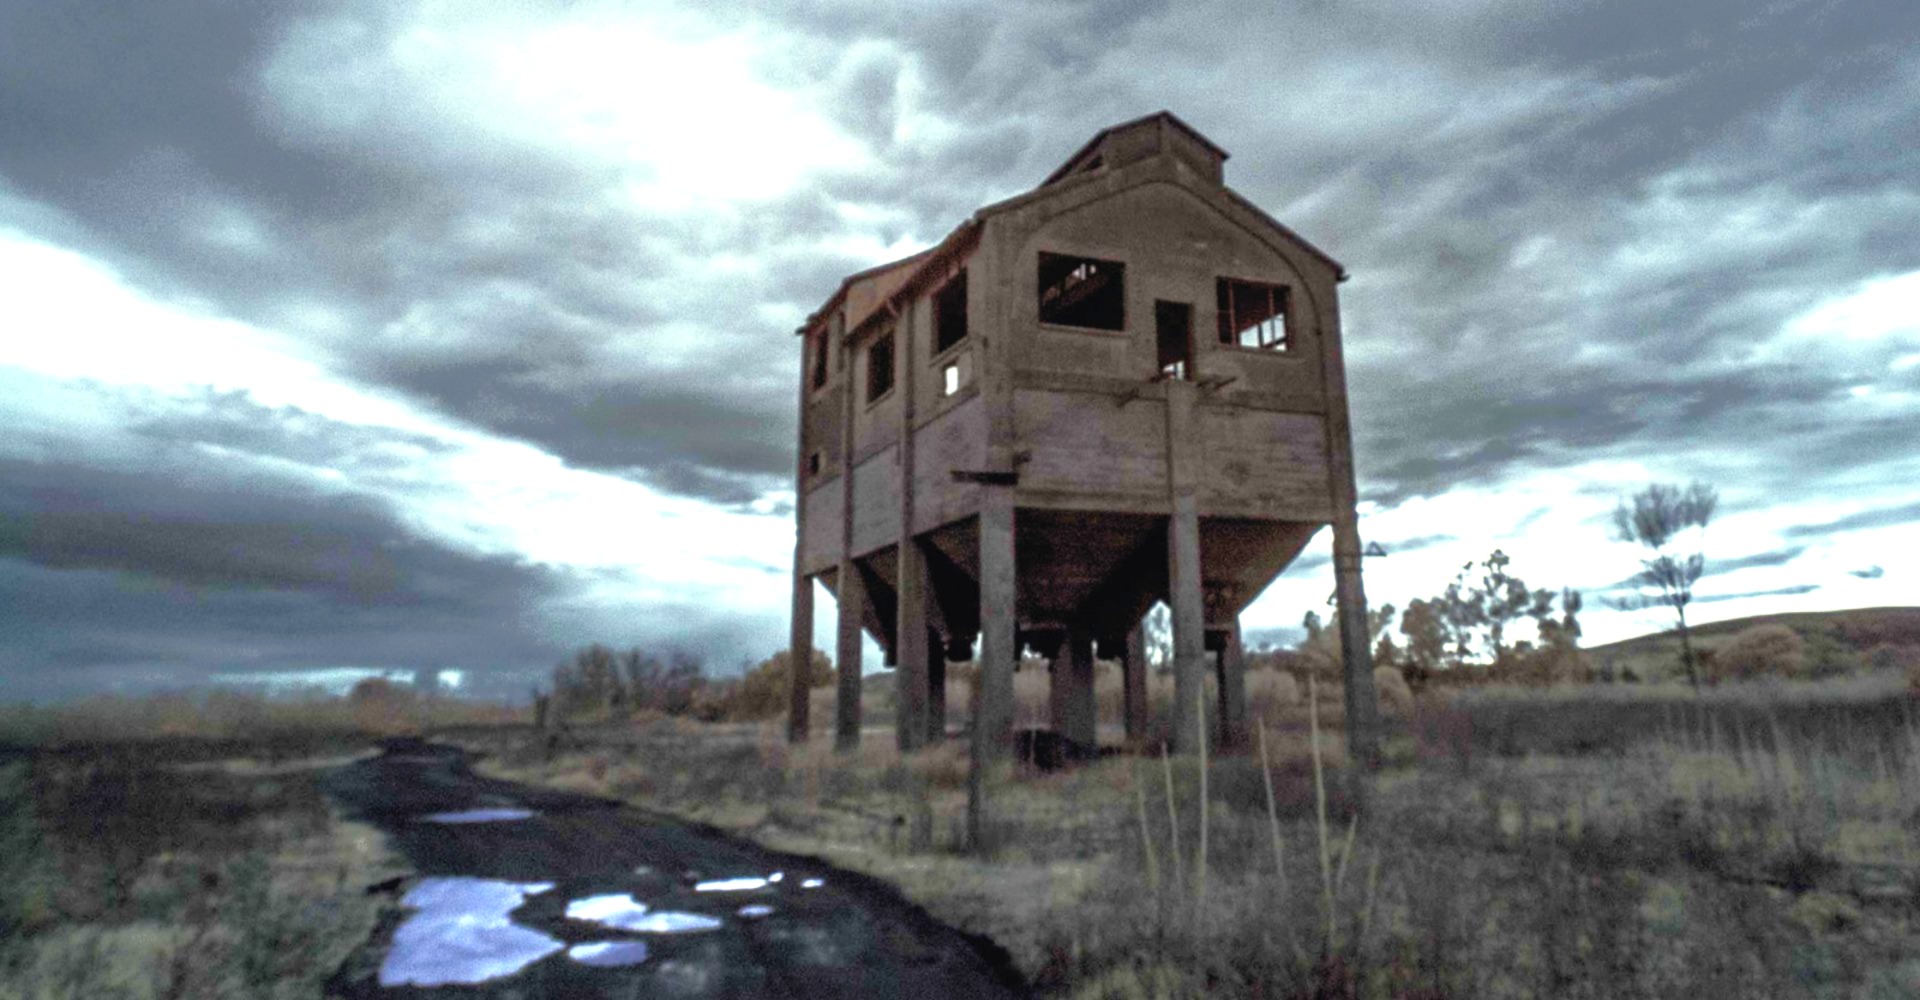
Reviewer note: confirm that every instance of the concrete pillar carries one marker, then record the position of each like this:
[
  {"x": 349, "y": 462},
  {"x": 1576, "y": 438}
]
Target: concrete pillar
[
  {"x": 1363, "y": 704},
  {"x": 1076, "y": 717},
  {"x": 846, "y": 658},
  {"x": 937, "y": 653},
  {"x": 1133, "y": 682},
  {"x": 1233, "y": 692},
  {"x": 999, "y": 646},
  {"x": 1363, "y": 735},
  {"x": 1184, "y": 595},
  {"x": 800, "y": 656},
  {"x": 1058, "y": 651},
  {"x": 911, "y": 623}
]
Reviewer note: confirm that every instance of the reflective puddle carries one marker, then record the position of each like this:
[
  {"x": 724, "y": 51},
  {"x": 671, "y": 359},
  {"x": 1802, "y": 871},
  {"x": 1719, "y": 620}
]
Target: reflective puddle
[
  {"x": 479, "y": 816},
  {"x": 621, "y": 911},
  {"x": 461, "y": 933},
  {"x": 754, "y": 911},
  {"x": 737, "y": 884},
  {"x": 609, "y": 953}
]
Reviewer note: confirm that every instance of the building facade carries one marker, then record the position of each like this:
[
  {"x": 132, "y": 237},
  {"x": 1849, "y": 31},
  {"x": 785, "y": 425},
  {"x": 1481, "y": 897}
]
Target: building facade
[{"x": 1124, "y": 386}]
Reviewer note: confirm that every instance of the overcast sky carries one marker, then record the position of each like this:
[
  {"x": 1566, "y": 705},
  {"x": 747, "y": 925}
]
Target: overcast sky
[{"x": 394, "y": 334}]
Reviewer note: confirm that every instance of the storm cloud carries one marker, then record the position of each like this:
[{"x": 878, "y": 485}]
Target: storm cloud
[{"x": 339, "y": 332}]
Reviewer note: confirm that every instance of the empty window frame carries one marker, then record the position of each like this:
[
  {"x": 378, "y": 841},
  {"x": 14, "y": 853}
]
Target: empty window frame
[
  {"x": 814, "y": 464},
  {"x": 818, "y": 344},
  {"x": 880, "y": 367},
  {"x": 1252, "y": 314},
  {"x": 1173, "y": 336},
  {"x": 950, "y": 313},
  {"x": 1083, "y": 291}
]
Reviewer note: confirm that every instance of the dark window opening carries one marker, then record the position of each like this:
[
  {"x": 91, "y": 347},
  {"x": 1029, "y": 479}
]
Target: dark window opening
[
  {"x": 950, "y": 313},
  {"x": 813, "y": 464},
  {"x": 880, "y": 367},
  {"x": 819, "y": 363},
  {"x": 1173, "y": 332},
  {"x": 1082, "y": 291},
  {"x": 1252, "y": 314}
]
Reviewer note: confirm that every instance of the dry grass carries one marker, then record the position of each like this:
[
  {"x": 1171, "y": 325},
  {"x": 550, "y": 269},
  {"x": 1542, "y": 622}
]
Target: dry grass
[
  {"x": 297, "y": 725},
  {"x": 1606, "y": 842},
  {"x": 126, "y": 877}
]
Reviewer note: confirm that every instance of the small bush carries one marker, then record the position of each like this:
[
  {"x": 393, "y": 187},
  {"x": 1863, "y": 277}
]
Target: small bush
[
  {"x": 1891, "y": 657},
  {"x": 1392, "y": 689},
  {"x": 1761, "y": 651}
]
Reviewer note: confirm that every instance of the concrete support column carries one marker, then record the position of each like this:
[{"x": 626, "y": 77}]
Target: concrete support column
[
  {"x": 1233, "y": 692},
  {"x": 846, "y": 658},
  {"x": 999, "y": 645},
  {"x": 1076, "y": 717},
  {"x": 1184, "y": 593},
  {"x": 910, "y": 632},
  {"x": 800, "y": 656},
  {"x": 937, "y": 653},
  {"x": 1133, "y": 683},
  {"x": 1363, "y": 706},
  {"x": 1057, "y": 650}
]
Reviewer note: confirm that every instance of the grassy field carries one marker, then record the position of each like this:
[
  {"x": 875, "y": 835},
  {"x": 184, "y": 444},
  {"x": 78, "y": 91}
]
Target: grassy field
[
  {"x": 178, "y": 868},
  {"x": 1603, "y": 841},
  {"x": 1606, "y": 840}
]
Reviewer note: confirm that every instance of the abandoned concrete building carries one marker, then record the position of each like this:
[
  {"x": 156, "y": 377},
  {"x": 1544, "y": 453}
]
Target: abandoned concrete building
[{"x": 1122, "y": 387}]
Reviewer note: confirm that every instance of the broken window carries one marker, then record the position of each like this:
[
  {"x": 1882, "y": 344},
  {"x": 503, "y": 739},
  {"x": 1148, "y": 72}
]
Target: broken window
[
  {"x": 1082, "y": 291},
  {"x": 880, "y": 367},
  {"x": 1173, "y": 333},
  {"x": 819, "y": 361},
  {"x": 950, "y": 313},
  {"x": 1252, "y": 314}
]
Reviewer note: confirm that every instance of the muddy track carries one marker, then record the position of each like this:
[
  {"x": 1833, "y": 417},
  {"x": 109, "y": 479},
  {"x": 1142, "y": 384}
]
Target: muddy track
[{"x": 525, "y": 892}]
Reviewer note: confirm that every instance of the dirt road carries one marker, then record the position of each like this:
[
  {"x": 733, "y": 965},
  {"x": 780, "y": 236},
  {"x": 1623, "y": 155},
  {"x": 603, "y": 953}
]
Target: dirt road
[{"x": 522, "y": 892}]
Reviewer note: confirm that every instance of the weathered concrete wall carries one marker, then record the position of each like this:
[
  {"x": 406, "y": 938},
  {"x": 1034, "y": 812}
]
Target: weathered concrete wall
[
  {"x": 876, "y": 423},
  {"x": 956, "y": 438},
  {"x": 1257, "y": 463},
  {"x": 876, "y": 502},
  {"x": 1175, "y": 241},
  {"x": 1085, "y": 451},
  {"x": 820, "y": 527}
]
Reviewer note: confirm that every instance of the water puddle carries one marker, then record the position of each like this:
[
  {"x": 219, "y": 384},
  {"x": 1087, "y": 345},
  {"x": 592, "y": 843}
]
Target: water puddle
[
  {"x": 621, "y": 911},
  {"x": 461, "y": 934},
  {"x": 479, "y": 816},
  {"x": 754, "y": 911},
  {"x": 813, "y": 883},
  {"x": 737, "y": 884},
  {"x": 608, "y": 954}
]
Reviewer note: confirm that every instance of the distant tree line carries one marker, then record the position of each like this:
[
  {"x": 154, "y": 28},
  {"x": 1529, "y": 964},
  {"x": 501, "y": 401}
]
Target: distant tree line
[
  {"x": 600, "y": 684},
  {"x": 1465, "y": 633}
]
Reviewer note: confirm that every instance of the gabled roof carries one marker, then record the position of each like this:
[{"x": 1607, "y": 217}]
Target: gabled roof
[
  {"x": 911, "y": 274},
  {"x": 840, "y": 294},
  {"x": 1094, "y": 143}
]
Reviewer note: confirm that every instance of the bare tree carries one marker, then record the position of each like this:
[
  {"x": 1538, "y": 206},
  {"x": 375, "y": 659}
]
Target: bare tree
[{"x": 1656, "y": 518}]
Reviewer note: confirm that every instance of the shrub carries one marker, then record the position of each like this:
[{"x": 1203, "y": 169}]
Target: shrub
[
  {"x": 1887, "y": 656},
  {"x": 381, "y": 706},
  {"x": 1392, "y": 689},
  {"x": 1760, "y": 651},
  {"x": 762, "y": 693},
  {"x": 1269, "y": 691}
]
